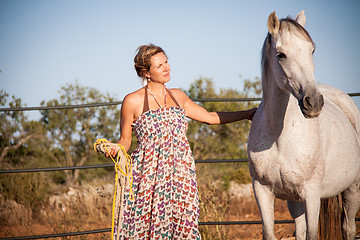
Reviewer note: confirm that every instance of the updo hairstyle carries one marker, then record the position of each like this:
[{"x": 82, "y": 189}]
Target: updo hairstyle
[{"x": 143, "y": 56}]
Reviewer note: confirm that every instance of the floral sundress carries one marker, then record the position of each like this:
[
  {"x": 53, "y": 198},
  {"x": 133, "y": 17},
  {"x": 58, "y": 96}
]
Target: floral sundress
[{"x": 166, "y": 203}]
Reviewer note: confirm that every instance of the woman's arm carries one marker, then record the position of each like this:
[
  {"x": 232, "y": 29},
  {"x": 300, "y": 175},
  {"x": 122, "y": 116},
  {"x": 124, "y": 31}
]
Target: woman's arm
[
  {"x": 126, "y": 119},
  {"x": 127, "y": 115},
  {"x": 198, "y": 113}
]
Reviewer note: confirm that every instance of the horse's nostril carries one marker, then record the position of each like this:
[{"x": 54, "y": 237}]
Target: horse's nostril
[
  {"x": 313, "y": 102},
  {"x": 311, "y": 106},
  {"x": 307, "y": 102},
  {"x": 321, "y": 101}
]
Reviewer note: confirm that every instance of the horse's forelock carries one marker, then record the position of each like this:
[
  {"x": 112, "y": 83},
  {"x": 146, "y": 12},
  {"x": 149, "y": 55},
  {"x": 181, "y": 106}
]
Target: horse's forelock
[{"x": 286, "y": 23}]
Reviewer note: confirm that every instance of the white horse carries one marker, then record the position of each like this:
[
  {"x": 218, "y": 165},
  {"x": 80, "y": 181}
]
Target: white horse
[{"x": 304, "y": 142}]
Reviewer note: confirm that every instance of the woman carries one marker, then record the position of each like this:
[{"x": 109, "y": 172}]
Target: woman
[{"x": 165, "y": 204}]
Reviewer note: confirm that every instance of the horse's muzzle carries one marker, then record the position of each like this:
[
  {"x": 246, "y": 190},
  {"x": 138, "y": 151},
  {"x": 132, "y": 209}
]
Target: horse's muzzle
[{"x": 311, "y": 106}]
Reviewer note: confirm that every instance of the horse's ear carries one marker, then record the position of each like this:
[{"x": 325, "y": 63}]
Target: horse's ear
[
  {"x": 273, "y": 23},
  {"x": 300, "y": 18}
]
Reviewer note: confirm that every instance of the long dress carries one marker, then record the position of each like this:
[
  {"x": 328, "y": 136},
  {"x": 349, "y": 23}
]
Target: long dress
[{"x": 166, "y": 203}]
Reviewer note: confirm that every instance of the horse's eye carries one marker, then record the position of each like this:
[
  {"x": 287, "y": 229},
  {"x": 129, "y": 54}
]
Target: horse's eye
[
  {"x": 313, "y": 51},
  {"x": 280, "y": 55}
]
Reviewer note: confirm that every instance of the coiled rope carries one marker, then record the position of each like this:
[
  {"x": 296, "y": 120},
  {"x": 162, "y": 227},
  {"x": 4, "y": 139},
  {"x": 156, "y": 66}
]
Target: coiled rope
[{"x": 123, "y": 169}]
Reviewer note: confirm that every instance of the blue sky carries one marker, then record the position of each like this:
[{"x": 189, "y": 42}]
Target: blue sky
[{"x": 45, "y": 44}]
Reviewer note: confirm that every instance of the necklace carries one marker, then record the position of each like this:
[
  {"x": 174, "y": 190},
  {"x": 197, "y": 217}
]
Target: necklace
[{"x": 156, "y": 98}]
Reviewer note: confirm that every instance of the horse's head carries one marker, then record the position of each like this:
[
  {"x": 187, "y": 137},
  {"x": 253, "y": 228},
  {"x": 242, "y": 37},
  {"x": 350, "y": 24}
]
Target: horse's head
[{"x": 288, "y": 55}]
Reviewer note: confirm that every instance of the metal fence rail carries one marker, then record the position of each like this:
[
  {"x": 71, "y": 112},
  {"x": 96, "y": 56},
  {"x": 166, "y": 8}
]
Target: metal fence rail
[
  {"x": 2, "y": 171},
  {"x": 109, "y": 229},
  {"x": 120, "y": 102},
  {"x": 104, "y": 230},
  {"x": 87, "y": 105}
]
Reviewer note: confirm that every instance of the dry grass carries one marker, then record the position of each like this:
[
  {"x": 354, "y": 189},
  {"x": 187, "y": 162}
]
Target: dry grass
[
  {"x": 89, "y": 207},
  {"x": 78, "y": 218}
]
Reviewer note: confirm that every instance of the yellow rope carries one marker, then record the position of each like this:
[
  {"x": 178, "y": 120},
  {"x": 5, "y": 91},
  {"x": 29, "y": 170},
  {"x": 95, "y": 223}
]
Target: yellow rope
[{"x": 127, "y": 172}]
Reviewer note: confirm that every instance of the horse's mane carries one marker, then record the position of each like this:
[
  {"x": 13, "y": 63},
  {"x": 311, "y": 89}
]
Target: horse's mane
[{"x": 286, "y": 24}]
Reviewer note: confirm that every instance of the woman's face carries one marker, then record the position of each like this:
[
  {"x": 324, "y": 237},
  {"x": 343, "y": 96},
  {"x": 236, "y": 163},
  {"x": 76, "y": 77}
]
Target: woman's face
[{"x": 160, "y": 69}]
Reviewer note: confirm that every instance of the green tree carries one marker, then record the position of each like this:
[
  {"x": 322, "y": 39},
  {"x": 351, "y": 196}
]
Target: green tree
[
  {"x": 72, "y": 132},
  {"x": 221, "y": 141},
  {"x": 15, "y": 129},
  {"x": 227, "y": 141},
  {"x": 20, "y": 147}
]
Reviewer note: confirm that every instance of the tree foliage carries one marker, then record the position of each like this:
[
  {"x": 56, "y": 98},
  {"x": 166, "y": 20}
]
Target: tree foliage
[
  {"x": 72, "y": 132},
  {"x": 227, "y": 141},
  {"x": 220, "y": 141},
  {"x": 20, "y": 142},
  {"x": 16, "y": 130}
]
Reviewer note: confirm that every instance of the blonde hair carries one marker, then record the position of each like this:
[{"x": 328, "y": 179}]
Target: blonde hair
[{"x": 143, "y": 56}]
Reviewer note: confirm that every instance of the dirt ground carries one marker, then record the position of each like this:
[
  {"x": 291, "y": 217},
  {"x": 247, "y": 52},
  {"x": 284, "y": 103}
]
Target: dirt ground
[
  {"x": 99, "y": 217},
  {"x": 253, "y": 231}
]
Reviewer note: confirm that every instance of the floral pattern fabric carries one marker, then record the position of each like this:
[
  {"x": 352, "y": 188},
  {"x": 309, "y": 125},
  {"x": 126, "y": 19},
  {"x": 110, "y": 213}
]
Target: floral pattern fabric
[{"x": 166, "y": 204}]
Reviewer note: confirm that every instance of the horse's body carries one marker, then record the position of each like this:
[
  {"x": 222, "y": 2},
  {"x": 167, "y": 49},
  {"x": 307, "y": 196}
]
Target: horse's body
[{"x": 304, "y": 142}]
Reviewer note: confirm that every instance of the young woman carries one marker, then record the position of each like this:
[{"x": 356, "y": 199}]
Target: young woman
[{"x": 165, "y": 204}]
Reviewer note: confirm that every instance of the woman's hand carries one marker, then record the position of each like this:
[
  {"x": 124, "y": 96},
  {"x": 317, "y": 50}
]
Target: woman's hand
[{"x": 112, "y": 151}]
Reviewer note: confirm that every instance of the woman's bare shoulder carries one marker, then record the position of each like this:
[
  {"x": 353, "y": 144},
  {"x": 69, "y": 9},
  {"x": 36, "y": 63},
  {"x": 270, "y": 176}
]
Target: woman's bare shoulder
[
  {"x": 179, "y": 95},
  {"x": 177, "y": 92},
  {"x": 135, "y": 97},
  {"x": 133, "y": 103}
]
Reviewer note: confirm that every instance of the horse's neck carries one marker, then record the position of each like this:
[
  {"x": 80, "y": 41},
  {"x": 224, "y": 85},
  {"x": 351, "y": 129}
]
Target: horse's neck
[{"x": 276, "y": 104}]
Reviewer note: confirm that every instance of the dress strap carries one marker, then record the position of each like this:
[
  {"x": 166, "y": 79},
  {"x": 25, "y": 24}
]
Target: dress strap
[
  {"x": 155, "y": 97},
  {"x": 172, "y": 97},
  {"x": 146, "y": 102}
]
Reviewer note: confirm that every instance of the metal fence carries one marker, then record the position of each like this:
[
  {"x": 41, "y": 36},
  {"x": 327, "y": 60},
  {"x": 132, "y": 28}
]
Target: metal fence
[{"x": 17, "y": 171}]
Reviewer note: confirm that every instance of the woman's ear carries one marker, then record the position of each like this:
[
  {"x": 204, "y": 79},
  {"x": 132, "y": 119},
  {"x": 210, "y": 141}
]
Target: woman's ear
[{"x": 146, "y": 74}]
